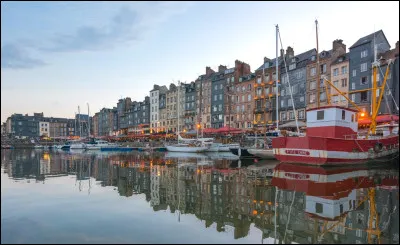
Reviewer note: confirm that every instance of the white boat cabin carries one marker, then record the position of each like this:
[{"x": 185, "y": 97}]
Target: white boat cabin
[{"x": 331, "y": 122}]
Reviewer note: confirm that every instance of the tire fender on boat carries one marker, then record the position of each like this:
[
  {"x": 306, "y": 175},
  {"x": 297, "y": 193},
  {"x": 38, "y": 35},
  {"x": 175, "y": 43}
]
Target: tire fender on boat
[{"x": 378, "y": 147}]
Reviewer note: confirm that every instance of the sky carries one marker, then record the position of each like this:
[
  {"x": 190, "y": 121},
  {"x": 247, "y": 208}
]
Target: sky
[{"x": 56, "y": 56}]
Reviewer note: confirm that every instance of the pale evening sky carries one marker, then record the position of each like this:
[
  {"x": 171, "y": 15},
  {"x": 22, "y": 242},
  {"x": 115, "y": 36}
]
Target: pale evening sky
[{"x": 58, "y": 55}]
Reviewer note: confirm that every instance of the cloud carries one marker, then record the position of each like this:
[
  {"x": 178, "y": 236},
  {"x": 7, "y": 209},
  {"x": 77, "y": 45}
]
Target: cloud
[
  {"x": 129, "y": 24},
  {"x": 121, "y": 28},
  {"x": 15, "y": 57}
]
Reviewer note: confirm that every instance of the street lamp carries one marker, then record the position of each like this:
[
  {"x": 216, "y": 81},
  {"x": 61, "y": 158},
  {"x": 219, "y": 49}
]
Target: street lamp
[{"x": 198, "y": 127}]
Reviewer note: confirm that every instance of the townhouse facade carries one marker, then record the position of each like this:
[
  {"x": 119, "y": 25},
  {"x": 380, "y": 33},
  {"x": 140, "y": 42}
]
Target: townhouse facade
[
  {"x": 361, "y": 56},
  {"x": 172, "y": 108},
  {"x": 265, "y": 92},
  {"x": 340, "y": 79},
  {"x": 243, "y": 103},
  {"x": 232, "y": 77},
  {"x": 296, "y": 75},
  {"x": 190, "y": 106}
]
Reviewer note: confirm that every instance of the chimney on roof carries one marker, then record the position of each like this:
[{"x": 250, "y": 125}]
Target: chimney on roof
[
  {"x": 209, "y": 71},
  {"x": 289, "y": 52},
  {"x": 339, "y": 47},
  {"x": 282, "y": 53},
  {"x": 221, "y": 68}
]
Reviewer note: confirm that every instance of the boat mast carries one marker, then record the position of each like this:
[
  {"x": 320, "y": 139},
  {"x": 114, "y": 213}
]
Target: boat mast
[
  {"x": 318, "y": 76},
  {"x": 79, "y": 122},
  {"x": 179, "y": 105},
  {"x": 88, "y": 119},
  {"x": 276, "y": 79}
]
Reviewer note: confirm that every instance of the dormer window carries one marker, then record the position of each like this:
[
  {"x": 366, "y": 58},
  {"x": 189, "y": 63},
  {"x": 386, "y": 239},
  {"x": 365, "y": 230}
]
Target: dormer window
[
  {"x": 313, "y": 58},
  {"x": 293, "y": 60}
]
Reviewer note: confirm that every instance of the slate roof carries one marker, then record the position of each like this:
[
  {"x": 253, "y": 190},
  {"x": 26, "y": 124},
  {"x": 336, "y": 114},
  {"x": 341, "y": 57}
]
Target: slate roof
[{"x": 367, "y": 39}]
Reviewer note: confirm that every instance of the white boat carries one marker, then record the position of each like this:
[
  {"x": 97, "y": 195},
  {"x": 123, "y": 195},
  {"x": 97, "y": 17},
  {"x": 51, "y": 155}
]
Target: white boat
[
  {"x": 77, "y": 145},
  {"x": 262, "y": 153},
  {"x": 98, "y": 144},
  {"x": 186, "y": 148}
]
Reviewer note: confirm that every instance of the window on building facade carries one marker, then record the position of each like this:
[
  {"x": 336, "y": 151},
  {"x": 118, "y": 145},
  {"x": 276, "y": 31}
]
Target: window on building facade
[
  {"x": 312, "y": 98},
  {"x": 322, "y": 96},
  {"x": 313, "y": 71},
  {"x": 301, "y": 98},
  {"x": 282, "y": 92},
  {"x": 249, "y": 97},
  {"x": 354, "y": 72},
  {"x": 335, "y": 72},
  {"x": 364, "y": 96},
  {"x": 364, "y": 80},
  {"x": 312, "y": 85},
  {"x": 220, "y": 96},
  {"x": 301, "y": 114},
  {"x": 364, "y": 53},
  {"x": 258, "y": 80},
  {"x": 283, "y": 103},
  {"x": 283, "y": 116},
  {"x": 291, "y": 115},
  {"x": 289, "y": 102},
  {"x": 323, "y": 68},
  {"x": 344, "y": 69},
  {"x": 336, "y": 83},
  {"x": 353, "y": 97},
  {"x": 363, "y": 67},
  {"x": 344, "y": 82}
]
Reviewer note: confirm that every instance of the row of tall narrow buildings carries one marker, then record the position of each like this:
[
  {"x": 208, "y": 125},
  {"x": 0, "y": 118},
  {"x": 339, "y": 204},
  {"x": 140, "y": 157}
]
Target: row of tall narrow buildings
[{"x": 239, "y": 98}]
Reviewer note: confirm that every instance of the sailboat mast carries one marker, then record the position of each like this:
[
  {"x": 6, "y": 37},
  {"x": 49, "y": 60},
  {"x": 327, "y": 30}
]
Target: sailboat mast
[
  {"x": 276, "y": 79},
  {"x": 179, "y": 105},
  {"x": 88, "y": 119},
  {"x": 79, "y": 122},
  {"x": 318, "y": 78}
]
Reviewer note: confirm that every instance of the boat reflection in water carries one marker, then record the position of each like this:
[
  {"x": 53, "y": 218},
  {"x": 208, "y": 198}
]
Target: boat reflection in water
[{"x": 308, "y": 204}]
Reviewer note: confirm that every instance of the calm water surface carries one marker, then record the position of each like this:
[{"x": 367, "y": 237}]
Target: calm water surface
[{"x": 95, "y": 197}]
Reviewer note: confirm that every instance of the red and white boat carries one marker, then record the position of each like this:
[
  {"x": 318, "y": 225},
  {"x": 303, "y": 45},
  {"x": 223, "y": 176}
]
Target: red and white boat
[
  {"x": 332, "y": 138},
  {"x": 332, "y": 135}
]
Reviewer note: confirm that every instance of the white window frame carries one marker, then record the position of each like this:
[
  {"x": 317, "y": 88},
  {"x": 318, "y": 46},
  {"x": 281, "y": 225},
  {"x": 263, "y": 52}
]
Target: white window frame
[{"x": 363, "y": 67}]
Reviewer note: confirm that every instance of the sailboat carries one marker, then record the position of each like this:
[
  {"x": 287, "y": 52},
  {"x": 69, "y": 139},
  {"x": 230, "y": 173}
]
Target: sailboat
[
  {"x": 332, "y": 136},
  {"x": 193, "y": 146}
]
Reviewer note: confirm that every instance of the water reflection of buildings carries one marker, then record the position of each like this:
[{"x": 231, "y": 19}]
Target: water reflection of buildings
[
  {"x": 337, "y": 205},
  {"x": 313, "y": 204}
]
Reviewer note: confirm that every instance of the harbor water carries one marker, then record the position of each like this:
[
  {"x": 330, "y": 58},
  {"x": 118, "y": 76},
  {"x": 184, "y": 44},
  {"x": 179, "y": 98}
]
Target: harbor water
[{"x": 164, "y": 197}]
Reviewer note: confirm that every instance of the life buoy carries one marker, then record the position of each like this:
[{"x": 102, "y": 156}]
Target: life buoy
[{"x": 378, "y": 147}]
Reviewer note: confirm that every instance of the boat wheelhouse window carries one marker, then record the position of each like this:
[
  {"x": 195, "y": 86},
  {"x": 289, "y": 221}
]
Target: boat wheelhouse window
[
  {"x": 320, "y": 115},
  {"x": 318, "y": 208},
  {"x": 344, "y": 115},
  {"x": 352, "y": 117}
]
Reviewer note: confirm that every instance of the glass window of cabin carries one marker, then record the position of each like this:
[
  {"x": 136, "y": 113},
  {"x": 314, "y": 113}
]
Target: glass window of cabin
[
  {"x": 318, "y": 206},
  {"x": 320, "y": 115},
  {"x": 343, "y": 114}
]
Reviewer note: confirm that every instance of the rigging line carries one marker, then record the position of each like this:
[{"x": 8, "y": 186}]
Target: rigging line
[
  {"x": 290, "y": 87},
  {"x": 390, "y": 91}
]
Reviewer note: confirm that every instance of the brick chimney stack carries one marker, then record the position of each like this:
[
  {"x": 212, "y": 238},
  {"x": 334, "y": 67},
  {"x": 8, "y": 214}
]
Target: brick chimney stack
[
  {"x": 221, "y": 68},
  {"x": 209, "y": 71},
  {"x": 339, "y": 47},
  {"x": 289, "y": 52}
]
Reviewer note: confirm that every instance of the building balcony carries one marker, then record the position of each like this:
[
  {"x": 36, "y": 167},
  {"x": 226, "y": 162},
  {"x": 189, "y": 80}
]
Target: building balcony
[{"x": 259, "y": 110}]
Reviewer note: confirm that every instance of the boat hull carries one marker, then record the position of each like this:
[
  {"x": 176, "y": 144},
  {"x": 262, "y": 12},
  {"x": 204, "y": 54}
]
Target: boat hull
[
  {"x": 186, "y": 149},
  {"x": 334, "y": 151},
  {"x": 244, "y": 152},
  {"x": 262, "y": 153}
]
